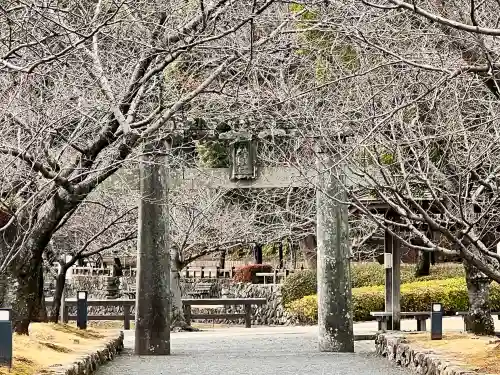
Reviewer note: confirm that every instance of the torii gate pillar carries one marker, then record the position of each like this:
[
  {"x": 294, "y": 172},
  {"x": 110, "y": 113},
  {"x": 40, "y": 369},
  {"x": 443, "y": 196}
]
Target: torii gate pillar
[{"x": 335, "y": 317}]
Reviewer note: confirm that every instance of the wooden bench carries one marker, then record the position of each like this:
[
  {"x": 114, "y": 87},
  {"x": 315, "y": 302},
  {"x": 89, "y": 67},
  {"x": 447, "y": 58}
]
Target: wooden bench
[
  {"x": 463, "y": 314},
  {"x": 202, "y": 290},
  {"x": 246, "y": 302},
  {"x": 383, "y": 319}
]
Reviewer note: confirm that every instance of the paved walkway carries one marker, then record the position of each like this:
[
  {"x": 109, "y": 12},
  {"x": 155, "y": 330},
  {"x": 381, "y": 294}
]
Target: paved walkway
[{"x": 260, "y": 350}]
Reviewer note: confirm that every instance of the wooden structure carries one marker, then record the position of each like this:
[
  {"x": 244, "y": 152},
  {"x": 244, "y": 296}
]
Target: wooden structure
[
  {"x": 126, "y": 304},
  {"x": 246, "y": 302},
  {"x": 392, "y": 313}
]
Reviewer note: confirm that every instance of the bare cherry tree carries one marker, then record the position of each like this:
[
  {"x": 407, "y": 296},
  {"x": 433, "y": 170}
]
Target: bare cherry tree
[
  {"x": 34, "y": 34},
  {"x": 413, "y": 87},
  {"x": 103, "y": 224},
  {"x": 81, "y": 119}
]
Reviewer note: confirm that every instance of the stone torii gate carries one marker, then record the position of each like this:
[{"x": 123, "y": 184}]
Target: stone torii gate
[{"x": 335, "y": 317}]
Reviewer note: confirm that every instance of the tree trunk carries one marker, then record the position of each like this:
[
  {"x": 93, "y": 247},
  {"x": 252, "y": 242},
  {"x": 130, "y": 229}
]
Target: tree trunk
[
  {"x": 222, "y": 260},
  {"x": 280, "y": 255},
  {"x": 58, "y": 295},
  {"x": 423, "y": 266},
  {"x": 3, "y": 290},
  {"x": 293, "y": 254},
  {"x": 29, "y": 305},
  {"x": 177, "y": 319},
  {"x": 479, "y": 320},
  {"x": 308, "y": 247}
]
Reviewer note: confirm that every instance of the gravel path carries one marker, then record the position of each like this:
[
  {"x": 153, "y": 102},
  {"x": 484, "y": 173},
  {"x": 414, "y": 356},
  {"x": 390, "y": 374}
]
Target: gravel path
[{"x": 263, "y": 351}]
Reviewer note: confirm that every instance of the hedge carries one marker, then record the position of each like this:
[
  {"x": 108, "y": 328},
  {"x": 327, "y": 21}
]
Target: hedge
[
  {"x": 246, "y": 274},
  {"x": 303, "y": 283},
  {"x": 370, "y": 274},
  {"x": 416, "y": 296}
]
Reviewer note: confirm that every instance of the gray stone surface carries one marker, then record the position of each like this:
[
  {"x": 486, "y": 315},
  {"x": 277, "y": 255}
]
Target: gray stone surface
[
  {"x": 396, "y": 349},
  {"x": 263, "y": 350},
  {"x": 335, "y": 315}
]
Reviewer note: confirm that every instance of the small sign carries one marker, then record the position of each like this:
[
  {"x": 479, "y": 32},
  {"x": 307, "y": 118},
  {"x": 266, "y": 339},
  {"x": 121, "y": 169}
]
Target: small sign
[{"x": 387, "y": 260}]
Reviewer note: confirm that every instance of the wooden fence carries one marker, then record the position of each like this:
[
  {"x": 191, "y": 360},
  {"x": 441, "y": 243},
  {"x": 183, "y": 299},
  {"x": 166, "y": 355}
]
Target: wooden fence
[
  {"x": 125, "y": 303},
  {"x": 190, "y": 272}
]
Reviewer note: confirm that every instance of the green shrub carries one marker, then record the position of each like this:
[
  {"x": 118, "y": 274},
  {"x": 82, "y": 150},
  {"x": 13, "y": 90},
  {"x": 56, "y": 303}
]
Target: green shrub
[
  {"x": 246, "y": 274},
  {"x": 303, "y": 283},
  {"x": 416, "y": 296},
  {"x": 370, "y": 274},
  {"x": 298, "y": 285}
]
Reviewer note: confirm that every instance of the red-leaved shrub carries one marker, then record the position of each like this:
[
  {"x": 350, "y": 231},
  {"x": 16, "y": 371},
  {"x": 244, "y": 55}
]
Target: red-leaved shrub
[{"x": 246, "y": 274}]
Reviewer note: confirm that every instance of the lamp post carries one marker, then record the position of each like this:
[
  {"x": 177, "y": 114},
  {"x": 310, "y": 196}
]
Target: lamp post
[
  {"x": 81, "y": 309},
  {"x": 6, "y": 338},
  {"x": 437, "y": 321}
]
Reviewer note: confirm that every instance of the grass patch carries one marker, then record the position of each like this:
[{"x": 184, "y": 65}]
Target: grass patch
[
  {"x": 51, "y": 345},
  {"x": 474, "y": 353}
]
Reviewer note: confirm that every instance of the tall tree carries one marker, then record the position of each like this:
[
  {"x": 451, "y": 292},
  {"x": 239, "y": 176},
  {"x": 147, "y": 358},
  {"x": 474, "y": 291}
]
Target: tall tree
[{"x": 84, "y": 115}]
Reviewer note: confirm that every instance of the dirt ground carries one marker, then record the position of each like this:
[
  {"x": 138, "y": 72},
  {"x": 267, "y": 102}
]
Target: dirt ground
[
  {"x": 472, "y": 352},
  {"x": 50, "y": 344}
]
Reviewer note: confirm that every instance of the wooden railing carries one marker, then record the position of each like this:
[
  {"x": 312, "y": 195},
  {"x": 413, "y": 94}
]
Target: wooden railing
[
  {"x": 190, "y": 272},
  {"x": 245, "y": 302},
  {"x": 186, "y": 304},
  {"x": 125, "y": 303}
]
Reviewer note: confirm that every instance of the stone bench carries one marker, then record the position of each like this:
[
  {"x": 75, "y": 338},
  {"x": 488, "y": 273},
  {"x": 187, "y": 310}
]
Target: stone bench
[
  {"x": 246, "y": 302},
  {"x": 384, "y": 317}
]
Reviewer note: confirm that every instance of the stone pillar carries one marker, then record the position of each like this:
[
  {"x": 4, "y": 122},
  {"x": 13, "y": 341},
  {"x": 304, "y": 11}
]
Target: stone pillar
[
  {"x": 335, "y": 317},
  {"x": 152, "y": 334}
]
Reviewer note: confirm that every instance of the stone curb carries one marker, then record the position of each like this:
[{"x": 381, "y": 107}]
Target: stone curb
[
  {"x": 396, "y": 349},
  {"x": 89, "y": 363}
]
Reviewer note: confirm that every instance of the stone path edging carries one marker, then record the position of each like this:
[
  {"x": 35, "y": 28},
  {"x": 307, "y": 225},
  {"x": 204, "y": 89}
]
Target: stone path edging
[
  {"x": 89, "y": 363},
  {"x": 395, "y": 348}
]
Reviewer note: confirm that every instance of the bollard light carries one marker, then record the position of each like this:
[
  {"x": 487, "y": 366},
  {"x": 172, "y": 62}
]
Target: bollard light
[
  {"x": 6, "y": 338},
  {"x": 81, "y": 309},
  {"x": 437, "y": 321}
]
